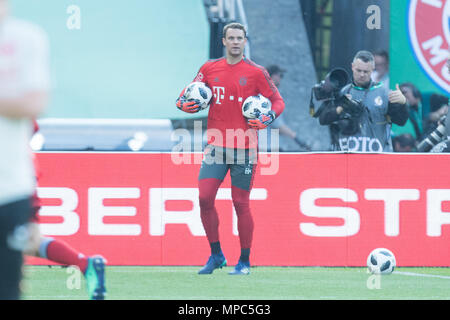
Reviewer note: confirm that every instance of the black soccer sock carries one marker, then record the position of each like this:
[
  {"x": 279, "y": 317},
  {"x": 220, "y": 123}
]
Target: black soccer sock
[
  {"x": 215, "y": 247},
  {"x": 245, "y": 255}
]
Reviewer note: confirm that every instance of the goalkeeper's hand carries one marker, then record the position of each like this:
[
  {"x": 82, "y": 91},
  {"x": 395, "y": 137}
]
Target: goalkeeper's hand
[
  {"x": 192, "y": 106},
  {"x": 262, "y": 120}
]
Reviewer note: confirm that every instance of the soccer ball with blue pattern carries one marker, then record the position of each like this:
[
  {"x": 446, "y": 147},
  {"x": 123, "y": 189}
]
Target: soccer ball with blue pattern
[
  {"x": 200, "y": 92},
  {"x": 253, "y": 106},
  {"x": 381, "y": 261}
]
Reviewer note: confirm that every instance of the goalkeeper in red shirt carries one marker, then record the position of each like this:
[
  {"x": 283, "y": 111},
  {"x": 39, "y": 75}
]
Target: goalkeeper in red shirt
[{"x": 232, "y": 140}]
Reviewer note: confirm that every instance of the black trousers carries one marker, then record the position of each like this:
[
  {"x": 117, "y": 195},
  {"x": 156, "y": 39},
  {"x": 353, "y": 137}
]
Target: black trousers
[{"x": 14, "y": 218}]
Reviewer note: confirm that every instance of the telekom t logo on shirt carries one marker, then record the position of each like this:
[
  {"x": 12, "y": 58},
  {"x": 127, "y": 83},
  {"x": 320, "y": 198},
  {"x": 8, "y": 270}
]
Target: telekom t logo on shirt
[{"x": 219, "y": 93}]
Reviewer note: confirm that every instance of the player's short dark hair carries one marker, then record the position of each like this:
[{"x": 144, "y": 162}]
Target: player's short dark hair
[
  {"x": 234, "y": 25},
  {"x": 364, "y": 56}
]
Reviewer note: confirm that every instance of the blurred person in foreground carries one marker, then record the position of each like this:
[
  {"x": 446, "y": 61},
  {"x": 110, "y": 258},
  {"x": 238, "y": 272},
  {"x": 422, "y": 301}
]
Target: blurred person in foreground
[
  {"x": 363, "y": 114},
  {"x": 24, "y": 94},
  {"x": 24, "y": 86},
  {"x": 232, "y": 79},
  {"x": 381, "y": 72},
  {"x": 276, "y": 73},
  {"x": 57, "y": 250}
]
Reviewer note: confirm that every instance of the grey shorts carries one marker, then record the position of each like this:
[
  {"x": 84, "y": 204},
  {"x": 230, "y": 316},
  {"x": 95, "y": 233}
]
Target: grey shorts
[{"x": 241, "y": 163}]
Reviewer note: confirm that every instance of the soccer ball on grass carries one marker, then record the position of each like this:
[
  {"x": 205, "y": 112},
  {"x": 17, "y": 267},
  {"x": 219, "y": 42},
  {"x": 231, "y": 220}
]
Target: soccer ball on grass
[{"x": 381, "y": 261}]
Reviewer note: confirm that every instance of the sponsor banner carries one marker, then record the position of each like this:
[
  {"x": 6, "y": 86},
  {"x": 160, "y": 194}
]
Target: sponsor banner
[{"x": 309, "y": 209}]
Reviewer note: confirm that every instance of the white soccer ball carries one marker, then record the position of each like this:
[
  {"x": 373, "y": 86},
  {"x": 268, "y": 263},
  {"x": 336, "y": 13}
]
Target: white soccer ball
[
  {"x": 381, "y": 261},
  {"x": 254, "y": 105},
  {"x": 198, "y": 91}
]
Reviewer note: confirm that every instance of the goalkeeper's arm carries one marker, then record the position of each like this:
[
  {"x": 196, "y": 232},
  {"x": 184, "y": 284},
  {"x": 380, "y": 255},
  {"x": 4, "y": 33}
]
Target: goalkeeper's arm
[{"x": 277, "y": 103}]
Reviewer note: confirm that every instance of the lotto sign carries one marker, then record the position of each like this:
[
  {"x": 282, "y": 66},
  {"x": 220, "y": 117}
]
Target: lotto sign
[{"x": 429, "y": 35}]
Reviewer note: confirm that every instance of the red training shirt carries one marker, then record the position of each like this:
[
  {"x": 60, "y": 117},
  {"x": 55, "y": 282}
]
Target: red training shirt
[{"x": 231, "y": 84}]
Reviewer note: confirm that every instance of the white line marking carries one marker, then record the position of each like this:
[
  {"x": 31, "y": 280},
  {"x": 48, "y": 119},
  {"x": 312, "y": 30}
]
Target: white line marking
[{"x": 421, "y": 275}]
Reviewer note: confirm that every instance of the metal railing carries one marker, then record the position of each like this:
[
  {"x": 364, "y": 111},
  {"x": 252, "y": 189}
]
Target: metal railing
[{"x": 103, "y": 135}]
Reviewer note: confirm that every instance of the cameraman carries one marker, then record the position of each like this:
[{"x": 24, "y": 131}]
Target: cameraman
[{"x": 361, "y": 119}]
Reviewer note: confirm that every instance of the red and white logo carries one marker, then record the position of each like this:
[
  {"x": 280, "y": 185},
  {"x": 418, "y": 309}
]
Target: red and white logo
[
  {"x": 429, "y": 34},
  {"x": 219, "y": 94}
]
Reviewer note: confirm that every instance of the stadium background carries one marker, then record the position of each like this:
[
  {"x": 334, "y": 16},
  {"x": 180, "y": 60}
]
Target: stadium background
[{"x": 130, "y": 61}]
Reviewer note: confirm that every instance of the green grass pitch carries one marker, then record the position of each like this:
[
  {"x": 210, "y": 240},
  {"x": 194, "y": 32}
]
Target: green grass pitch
[{"x": 274, "y": 283}]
